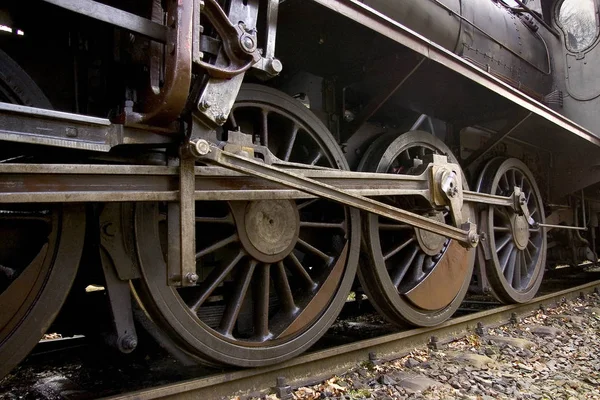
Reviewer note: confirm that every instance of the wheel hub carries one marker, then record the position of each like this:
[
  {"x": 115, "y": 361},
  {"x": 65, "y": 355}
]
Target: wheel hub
[
  {"x": 431, "y": 243},
  {"x": 270, "y": 229},
  {"x": 520, "y": 230}
]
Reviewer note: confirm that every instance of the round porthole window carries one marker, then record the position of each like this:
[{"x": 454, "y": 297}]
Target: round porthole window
[{"x": 578, "y": 20}]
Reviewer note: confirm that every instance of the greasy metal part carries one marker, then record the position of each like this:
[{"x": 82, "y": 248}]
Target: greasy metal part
[
  {"x": 268, "y": 64},
  {"x": 251, "y": 167},
  {"x": 115, "y": 16},
  {"x": 217, "y": 99},
  {"x": 187, "y": 221},
  {"x": 117, "y": 241},
  {"x": 510, "y": 128},
  {"x": 124, "y": 337},
  {"x": 119, "y": 264},
  {"x": 55, "y": 128},
  {"x": 239, "y": 41},
  {"x": 339, "y": 359},
  {"x": 226, "y": 75},
  {"x": 170, "y": 69}
]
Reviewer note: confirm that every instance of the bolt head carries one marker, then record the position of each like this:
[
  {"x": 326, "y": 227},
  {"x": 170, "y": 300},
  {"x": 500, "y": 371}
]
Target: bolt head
[
  {"x": 274, "y": 66},
  {"x": 192, "y": 277},
  {"x": 200, "y": 148},
  {"x": 248, "y": 43},
  {"x": 221, "y": 118},
  {"x": 204, "y": 105}
]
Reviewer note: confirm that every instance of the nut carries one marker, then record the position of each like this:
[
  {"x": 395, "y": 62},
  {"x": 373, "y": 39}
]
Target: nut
[
  {"x": 199, "y": 148},
  {"x": 191, "y": 277},
  {"x": 204, "y": 105},
  {"x": 274, "y": 66},
  {"x": 220, "y": 118}
]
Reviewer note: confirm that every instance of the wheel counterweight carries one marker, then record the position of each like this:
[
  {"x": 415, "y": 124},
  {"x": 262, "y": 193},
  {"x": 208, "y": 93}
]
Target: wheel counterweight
[
  {"x": 273, "y": 274},
  {"x": 412, "y": 276},
  {"x": 516, "y": 264}
]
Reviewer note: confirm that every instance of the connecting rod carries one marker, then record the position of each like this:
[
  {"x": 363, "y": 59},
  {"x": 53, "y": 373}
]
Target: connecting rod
[{"x": 213, "y": 155}]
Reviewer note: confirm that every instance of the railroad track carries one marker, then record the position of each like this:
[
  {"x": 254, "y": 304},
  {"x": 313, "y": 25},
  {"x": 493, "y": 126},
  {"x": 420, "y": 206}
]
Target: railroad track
[{"x": 313, "y": 367}]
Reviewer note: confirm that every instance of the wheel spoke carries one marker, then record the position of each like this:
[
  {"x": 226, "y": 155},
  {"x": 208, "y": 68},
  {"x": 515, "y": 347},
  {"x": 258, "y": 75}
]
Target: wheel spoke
[
  {"x": 533, "y": 245},
  {"x": 297, "y": 268},
  {"x": 234, "y": 305},
  {"x": 317, "y": 157},
  {"x": 218, "y": 245},
  {"x": 315, "y": 251},
  {"x": 264, "y": 139},
  {"x": 232, "y": 119},
  {"x": 284, "y": 291},
  {"x": 290, "y": 144},
  {"x": 503, "y": 242},
  {"x": 501, "y": 229},
  {"x": 404, "y": 266},
  {"x": 228, "y": 220},
  {"x": 213, "y": 280},
  {"x": 261, "y": 302},
  {"x": 307, "y": 203},
  {"x": 509, "y": 271},
  {"x": 322, "y": 225},
  {"x": 394, "y": 227},
  {"x": 516, "y": 281},
  {"x": 506, "y": 256},
  {"x": 416, "y": 270},
  {"x": 397, "y": 249}
]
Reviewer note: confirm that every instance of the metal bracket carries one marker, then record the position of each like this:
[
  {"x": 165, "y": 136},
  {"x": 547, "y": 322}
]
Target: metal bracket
[
  {"x": 166, "y": 95},
  {"x": 119, "y": 296}
]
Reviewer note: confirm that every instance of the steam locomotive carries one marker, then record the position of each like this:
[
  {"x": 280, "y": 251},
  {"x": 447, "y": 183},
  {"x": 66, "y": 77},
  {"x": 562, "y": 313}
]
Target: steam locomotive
[{"x": 225, "y": 172}]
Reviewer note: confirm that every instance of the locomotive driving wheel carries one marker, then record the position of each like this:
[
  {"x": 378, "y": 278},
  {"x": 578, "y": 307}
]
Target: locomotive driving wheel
[
  {"x": 516, "y": 263},
  {"x": 412, "y": 276},
  {"x": 40, "y": 246},
  {"x": 273, "y": 274}
]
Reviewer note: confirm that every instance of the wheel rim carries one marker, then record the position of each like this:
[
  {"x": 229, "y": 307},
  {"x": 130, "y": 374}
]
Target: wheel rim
[
  {"x": 516, "y": 266},
  {"x": 408, "y": 265},
  {"x": 35, "y": 239},
  {"x": 262, "y": 297}
]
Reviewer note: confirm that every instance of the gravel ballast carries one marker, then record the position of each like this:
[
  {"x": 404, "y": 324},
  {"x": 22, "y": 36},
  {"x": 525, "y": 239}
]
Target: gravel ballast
[{"x": 553, "y": 354}]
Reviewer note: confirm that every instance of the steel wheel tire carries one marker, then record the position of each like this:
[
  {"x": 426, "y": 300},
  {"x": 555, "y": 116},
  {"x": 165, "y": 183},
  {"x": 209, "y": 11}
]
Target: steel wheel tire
[
  {"x": 532, "y": 259},
  {"x": 191, "y": 332},
  {"x": 43, "y": 286},
  {"x": 375, "y": 276}
]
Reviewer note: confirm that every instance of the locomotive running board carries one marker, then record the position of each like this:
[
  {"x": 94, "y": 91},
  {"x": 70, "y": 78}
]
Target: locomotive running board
[{"x": 33, "y": 125}]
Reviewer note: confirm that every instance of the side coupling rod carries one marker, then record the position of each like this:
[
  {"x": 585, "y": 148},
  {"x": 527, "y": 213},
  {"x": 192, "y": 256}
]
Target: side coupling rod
[{"x": 203, "y": 151}]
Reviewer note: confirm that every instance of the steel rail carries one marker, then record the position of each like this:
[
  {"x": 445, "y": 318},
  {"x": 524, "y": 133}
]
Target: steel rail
[{"x": 313, "y": 367}]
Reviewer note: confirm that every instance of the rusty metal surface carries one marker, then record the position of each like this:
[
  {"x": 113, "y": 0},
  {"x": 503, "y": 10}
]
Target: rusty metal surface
[
  {"x": 166, "y": 95},
  {"x": 324, "y": 363}
]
